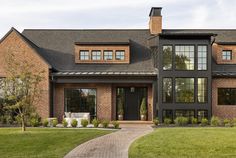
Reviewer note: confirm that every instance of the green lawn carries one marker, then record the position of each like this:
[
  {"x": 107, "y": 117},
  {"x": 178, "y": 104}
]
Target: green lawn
[
  {"x": 186, "y": 142},
  {"x": 43, "y": 143}
]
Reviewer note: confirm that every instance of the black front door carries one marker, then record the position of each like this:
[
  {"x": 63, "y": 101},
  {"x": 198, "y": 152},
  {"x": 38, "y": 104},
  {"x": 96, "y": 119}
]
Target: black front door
[{"x": 132, "y": 98}]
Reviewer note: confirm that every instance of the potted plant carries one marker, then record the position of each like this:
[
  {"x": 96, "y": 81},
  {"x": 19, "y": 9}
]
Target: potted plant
[
  {"x": 120, "y": 109},
  {"x": 143, "y": 109}
]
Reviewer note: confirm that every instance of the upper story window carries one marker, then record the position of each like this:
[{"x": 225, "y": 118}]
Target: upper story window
[
  {"x": 184, "y": 57},
  {"x": 167, "y": 57},
  {"x": 108, "y": 55},
  {"x": 120, "y": 55},
  {"x": 84, "y": 55},
  {"x": 96, "y": 55},
  {"x": 226, "y": 55},
  {"x": 202, "y": 58},
  {"x": 226, "y": 96}
]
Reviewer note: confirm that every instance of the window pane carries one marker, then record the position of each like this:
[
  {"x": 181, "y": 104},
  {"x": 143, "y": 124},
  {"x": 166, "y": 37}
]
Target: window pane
[
  {"x": 167, "y": 114},
  {"x": 185, "y": 113},
  {"x": 202, "y": 57},
  {"x": 184, "y": 90},
  {"x": 201, "y": 114},
  {"x": 167, "y": 57},
  {"x": 84, "y": 55},
  {"x": 96, "y": 55},
  {"x": 226, "y": 96},
  {"x": 167, "y": 90},
  {"x": 80, "y": 100},
  {"x": 202, "y": 90},
  {"x": 120, "y": 55},
  {"x": 184, "y": 57},
  {"x": 108, "y": 55},
  {"x": 226, "y": 55}
]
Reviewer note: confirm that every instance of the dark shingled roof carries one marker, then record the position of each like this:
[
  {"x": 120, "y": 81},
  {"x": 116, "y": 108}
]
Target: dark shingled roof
[{"x": 57, "y": 47}]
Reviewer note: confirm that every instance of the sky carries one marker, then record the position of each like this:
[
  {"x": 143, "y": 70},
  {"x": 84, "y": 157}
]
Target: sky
[{"x": 114, "y": 14}]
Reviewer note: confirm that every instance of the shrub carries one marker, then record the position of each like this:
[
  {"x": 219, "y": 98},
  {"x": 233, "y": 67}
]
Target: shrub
[
  {"x": 181, "y": 121},
  {"x": 84, "y": 122},
  {"x": 115, "y": 124},
  {"x": 64, "y": 123},
  {"x": 105, "y": 123},
  {"x": 34, "y": 122},
  {"x": 227, "y": 122},
  {"x": 95, "y": 122},
  {"x": 204, "y": 122},
  {"x": 156, "y": 121},
  {"x": 167, "y": 121},
  {"x": 45, "y": 123},
  {"x": 215, "y": 121},
  {"x": 54, "y": 122},
  {"x": 143, "y": 107},
  {"x": 74, "y": 123},
  {"x": 120, "y": 103},
  {"x": 194, "y": 121}
]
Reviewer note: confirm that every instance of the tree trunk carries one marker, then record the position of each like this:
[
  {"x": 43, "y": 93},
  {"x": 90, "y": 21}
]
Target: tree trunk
[{"x": 23, "y": 124}]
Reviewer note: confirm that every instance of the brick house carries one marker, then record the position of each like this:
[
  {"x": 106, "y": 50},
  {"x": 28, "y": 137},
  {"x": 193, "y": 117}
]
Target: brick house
[{"x": 186, "y": 72}]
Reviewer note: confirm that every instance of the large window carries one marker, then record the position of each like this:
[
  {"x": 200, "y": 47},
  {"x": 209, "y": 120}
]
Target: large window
[
  {"x": 167, "y": 90},
  {"x": 202, "y": 58},
  {"x": 202, "y": 90},
  {"x": 226, "y": 96},
  {"x": 226, "y": 55},
  {"x": 84, "y": 55},
  {"x": 185, "y": 113},
  {"x": 167, "y": 57},
  {"x": 80, "y": 100},
  {"x": 120, "y": 55},
  {"x": 184, "y": 90},
  {"x": 184, "y": 57},
  {"x": 96, "y": 55},
  {"x": 108, "y": 55}
]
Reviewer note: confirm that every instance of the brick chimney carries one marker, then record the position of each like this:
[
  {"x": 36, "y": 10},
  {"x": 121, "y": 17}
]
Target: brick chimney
[{"x": 155, "y": 22}]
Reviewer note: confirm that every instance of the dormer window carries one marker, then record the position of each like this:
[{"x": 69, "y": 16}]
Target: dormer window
[
  {"x": 96, "y": 55},
  {"x": 108, "y": 55},
  {"x": 226, "y": 55},
  {"x": 84, "y": 55},
  {"x": 120, "y": 55}
]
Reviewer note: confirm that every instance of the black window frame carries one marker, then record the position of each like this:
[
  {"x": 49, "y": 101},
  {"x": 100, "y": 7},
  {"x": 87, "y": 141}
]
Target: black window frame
[
  {"x": 205, "y": 113},
  {"x": 163, "y": 57},
  {"x": 171, "y": 91},
  {"x": 206, "y": 90},
  {"x": 202, "y": 58}
]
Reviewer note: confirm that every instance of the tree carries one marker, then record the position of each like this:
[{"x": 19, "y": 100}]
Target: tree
[{"x": 21, "y": 87}]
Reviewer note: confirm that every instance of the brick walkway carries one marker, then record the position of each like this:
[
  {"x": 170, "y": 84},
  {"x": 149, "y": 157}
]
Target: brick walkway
[{"x": 114, "y": 145}]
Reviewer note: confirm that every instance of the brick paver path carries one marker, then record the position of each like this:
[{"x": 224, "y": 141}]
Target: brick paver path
[{"x": 114, "y": 145}]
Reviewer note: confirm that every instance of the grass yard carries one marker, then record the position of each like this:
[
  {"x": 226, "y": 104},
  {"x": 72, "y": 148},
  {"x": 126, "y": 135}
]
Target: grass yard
[
  {"x": 186, "y": 142},
  {"x": 42, "y": 142}
]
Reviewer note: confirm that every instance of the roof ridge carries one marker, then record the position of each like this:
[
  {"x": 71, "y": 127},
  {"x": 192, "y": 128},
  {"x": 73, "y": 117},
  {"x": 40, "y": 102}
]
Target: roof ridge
[{"x": 85, "y": 30}]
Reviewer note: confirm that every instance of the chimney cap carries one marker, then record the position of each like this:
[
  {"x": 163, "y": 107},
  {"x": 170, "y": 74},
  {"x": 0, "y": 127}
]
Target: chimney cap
[{"x": 155, "y": 11}]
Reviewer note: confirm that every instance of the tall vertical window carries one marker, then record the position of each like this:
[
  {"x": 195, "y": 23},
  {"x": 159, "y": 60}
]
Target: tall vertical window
[
  {"x": 202, "y": 90},
  {"x": 84, "y": 55},
  {"x": 167, "y": 57},
  {"x": 120, "y": 55},
  {"x": 167, "y": 90},
  {"x": 184, "y": 57},
  {"x": 184, "y": 90},
  {"x": 226, "y": 55},
  {"x": 108, "y": 55},
  {"x": 202, "y": 58},
  {"x": 96, "y": 55}
]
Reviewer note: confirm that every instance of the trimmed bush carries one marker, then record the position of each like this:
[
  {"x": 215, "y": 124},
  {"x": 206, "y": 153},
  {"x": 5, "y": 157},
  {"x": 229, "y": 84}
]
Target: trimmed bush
[
  {"x": 74, "y": 123},
  {"x": 45, "y": 123},
  {"x": 227, "y": 122},
  {"x": 64, "y": 123},
  {"x": 84, "y": 122},
  {"x": 54, "y": 122},
  {"x": 115, "y": 124},
  {"x": 215, "y": 121},
  {"x": 204, "y": 122},
  {"x": 156, "y": 121},
  {"x": 105, "y": 123},
  {"x": 167, "y": 121},
  {"x": 194, "y": 121},
  {"x": 181, "y": 121},
  {"x": 34, "y": 122},
  {"x": 95, "y": 123}
]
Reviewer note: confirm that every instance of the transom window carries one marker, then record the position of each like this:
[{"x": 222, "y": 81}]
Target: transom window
[
  {"x": 226, "y": 96},
  {"x": 84, "y": 55},
  {"x": 120, "y": 55},
  {"x": 108, "y": 55},
  {"x": 202, "y": 58},
  {"x": 184, "y": 57},
  {"x": 184, "y": 90},
  {"x": 96, "y": 55},
  {"x": 226, "y": 55},
  {"x": 167, "y": 57}
]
